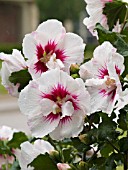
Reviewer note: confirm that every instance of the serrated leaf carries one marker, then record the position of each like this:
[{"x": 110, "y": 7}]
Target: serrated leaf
[
  {"x": 115, "y": 11},
  {"x": 22, "y": 77},
  {"x": 18, "y": 138},
  {"x": 43, "y": 162}
]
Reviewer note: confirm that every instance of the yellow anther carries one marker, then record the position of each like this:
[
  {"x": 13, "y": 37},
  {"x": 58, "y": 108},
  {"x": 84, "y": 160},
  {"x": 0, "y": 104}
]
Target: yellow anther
[{"x": 110, "y": 82}]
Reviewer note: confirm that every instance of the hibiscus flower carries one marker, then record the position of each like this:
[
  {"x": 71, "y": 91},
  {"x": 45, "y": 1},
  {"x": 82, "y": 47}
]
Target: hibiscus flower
[
  {"x": 101, "y": 74},
  {"x": 55, "y": 104},
  {"x": 11, "y": 63},
  {"x": 50, "y": 47},
  {"x": 29, "y": 152}
]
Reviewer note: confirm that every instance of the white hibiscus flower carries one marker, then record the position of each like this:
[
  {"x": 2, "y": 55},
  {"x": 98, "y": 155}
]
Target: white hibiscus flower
[
  {"x": 11, "y": 63},
  {"x": 50, "y": 47},
  {"x": 55, "y": 104},
  {"x": 30, "y": 151},
  {"x": 101, "y": 74}
]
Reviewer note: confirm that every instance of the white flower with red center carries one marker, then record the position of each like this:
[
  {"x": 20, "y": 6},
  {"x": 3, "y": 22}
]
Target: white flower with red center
[
  {"x": 101, "y": 74},
  {"x": 95, "y": 10},
  {"x": 11, "y": 63},
  {"x": 6, "y": 134},
  {"x": 55, "y": 104},
  {"x": 30, "y": 151},
  {"x": 50, "y": 47}
]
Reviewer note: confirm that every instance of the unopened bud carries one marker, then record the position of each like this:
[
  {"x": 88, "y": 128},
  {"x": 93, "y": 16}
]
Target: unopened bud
[
  {"x": 63, "y": 166},
  {"x": 75, "y": 76},
  {"x": 55, "y": 155},
  {"x": 74, "y": 68},
  {"x": 83, "y": 165},
  {"x": 84, "y": 138}
]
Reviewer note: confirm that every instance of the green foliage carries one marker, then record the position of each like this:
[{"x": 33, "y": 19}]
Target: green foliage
[
  {"x": 43, "y": 162},
  {"x": 115, "y": 11},
  {"x": 22, "y": 77},
  {"x": 18, "y": 138}
]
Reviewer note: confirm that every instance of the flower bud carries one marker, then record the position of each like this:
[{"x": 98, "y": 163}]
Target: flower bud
[
  {"x": 84, "y": 138},
  {"x": 63, "y": 166},
  {"x": 83, "y": 165},
  {"x": 55, "y": 155}
]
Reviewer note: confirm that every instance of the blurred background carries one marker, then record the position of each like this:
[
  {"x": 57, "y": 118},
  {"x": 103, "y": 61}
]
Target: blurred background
[{"x": 19, "y": 17}]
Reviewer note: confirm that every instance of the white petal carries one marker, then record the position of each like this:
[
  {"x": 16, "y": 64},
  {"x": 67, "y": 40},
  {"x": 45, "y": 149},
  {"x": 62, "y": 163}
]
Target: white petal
[
  {"x": 53, "y": 29},
  {"x": 70, "y": 128},
  {"x": 123, "y": 100},
  {"x": 46, "y": 106},
  {"x": 5, "y": 73},
  {"x": 14, "y": 61},
  {"x": 87, "y": 70},
  {"x": 54, "y": 63},
  {"x": 29, "y": 99},
  {"x": 26, "y": 155},
  {"x": 41, "y": 126},
  {"x": 73, "y": 48},
  {"x": 43, "y": 146},
  {"x": 6, "y": 132},
  {"x": 29, "y": 46},
  {"x": 67, "y": 109}
]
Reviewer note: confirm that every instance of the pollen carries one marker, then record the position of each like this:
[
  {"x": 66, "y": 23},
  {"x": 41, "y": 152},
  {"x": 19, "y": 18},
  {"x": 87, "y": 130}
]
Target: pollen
[
  {"x": 110, "y": 82},
  {"x": 46, "y": 57}
]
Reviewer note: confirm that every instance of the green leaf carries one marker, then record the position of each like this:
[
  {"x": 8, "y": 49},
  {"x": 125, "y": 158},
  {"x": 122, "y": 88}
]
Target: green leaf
[
  {"x": 78, "y": 144},
  {"x": 66, "y": 154},
  {"x": 22, "y": 77},
  {"x": 106, "y": 149},
  {"x": 115, "y": 11},
  {"x": 18, "y": 138},
  {"x": 94, "y": 118},
  {"x": 105, "y": 35},
  {"x": 107, "y": 128},
  {"x": 43, "y": 162},
  {"x": 114, "y": 38},
  {"x": 122, "y": 121},
  {"x": 123, "y": 143}
]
